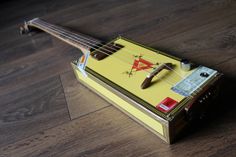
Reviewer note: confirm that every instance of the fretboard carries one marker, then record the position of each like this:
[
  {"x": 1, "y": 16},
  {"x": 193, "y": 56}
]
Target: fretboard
[
  {"x": 75, "y": 39},
  {"x": 99, "y": 50}
]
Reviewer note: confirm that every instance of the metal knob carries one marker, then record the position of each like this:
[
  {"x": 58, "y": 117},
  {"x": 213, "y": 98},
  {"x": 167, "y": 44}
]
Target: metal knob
[{"x": 185, "y": 65}]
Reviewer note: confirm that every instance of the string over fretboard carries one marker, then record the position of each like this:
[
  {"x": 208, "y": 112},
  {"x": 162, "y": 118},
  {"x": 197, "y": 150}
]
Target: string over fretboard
[{"x": 99, "y": 49}]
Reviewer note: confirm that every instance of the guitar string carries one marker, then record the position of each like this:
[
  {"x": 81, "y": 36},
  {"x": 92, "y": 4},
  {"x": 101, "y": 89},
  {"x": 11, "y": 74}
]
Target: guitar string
[
  {"x": 84, "y": 44},
  {"x": 96, "y": 49},
  {"x": 172, "y": 84},
  {"x": 98, "y": 43},
  {"x": 83, "y": 38},
  {"x": 108, "y": 54},
  {"x": 95, "y": 44},
  {"x": 88, "y": 39},
  {"x": 64, "y": 34},
  {"x": 60, "y": 30}
]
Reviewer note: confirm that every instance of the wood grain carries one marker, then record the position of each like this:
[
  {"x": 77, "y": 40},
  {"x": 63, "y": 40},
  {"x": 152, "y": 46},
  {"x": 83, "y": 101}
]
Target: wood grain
[
  {"x": 37, "y": 83},
  {"x": 32, "y": 109},
  {"x": 30, "y": 69},
  {"x": 215, "y": 40}
]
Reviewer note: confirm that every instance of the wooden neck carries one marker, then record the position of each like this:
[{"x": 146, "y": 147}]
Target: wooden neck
[
  {"x": 80, "y": 41},
  {"x": 99, "y": 50}
]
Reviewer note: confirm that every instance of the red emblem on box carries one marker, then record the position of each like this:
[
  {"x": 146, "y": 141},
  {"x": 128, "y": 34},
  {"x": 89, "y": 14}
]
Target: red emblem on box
[
  {"x": 141, "y": 64},
  {"x": 166, "y": 105}
]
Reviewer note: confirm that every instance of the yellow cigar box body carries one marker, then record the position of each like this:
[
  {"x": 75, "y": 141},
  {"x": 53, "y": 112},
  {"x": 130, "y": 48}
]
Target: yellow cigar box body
[{"x": 118, "y": 79}]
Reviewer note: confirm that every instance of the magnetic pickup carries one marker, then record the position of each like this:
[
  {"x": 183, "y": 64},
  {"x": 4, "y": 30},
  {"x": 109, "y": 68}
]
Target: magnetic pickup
[{"x": 101, "y": 51}]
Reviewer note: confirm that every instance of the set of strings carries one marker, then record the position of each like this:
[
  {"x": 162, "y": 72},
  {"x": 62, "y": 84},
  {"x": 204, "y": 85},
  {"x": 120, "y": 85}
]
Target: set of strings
[
  {"x": 93, "y": 43},
  {"x": 59, "y": 29}
]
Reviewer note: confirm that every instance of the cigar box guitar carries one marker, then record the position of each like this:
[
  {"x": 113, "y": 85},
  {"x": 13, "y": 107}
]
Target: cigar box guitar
[{"x": 160, "y": 91}]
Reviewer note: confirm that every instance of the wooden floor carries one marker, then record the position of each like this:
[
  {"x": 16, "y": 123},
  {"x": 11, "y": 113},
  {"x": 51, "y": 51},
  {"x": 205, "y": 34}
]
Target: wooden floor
[{"x": 37, "y": 83}]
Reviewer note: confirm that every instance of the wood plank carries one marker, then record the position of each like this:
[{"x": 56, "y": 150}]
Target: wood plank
[
  {"x": 111, "y": 21},
  {"x": 215, "y": 40},
  {"x": 23, "y": 47},
  {"x": 16, "y": 10},
  {"x": 32, "y": 109},
  {"x": 80, "y": 100},
  {"x": 36, "y": 67},
  {"x": 183, "y": 19},
  {"x": 108, "y": 132}
]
